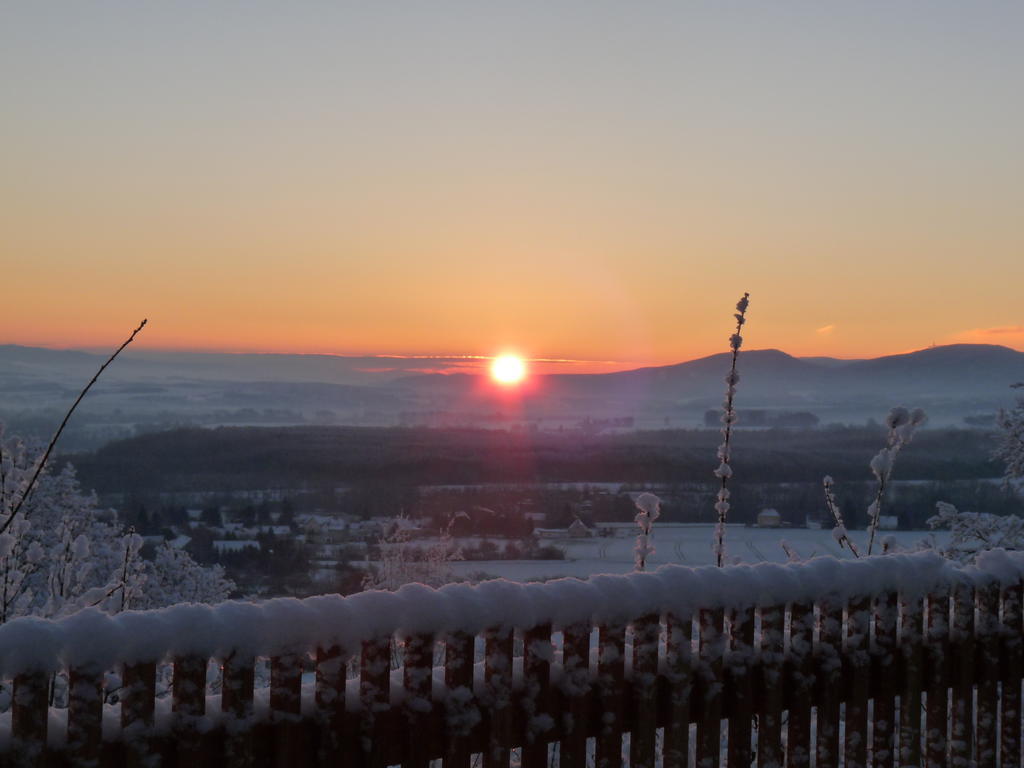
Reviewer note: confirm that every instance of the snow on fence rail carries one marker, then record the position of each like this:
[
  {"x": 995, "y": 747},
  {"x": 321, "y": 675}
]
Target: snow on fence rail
[{"x": 898, "y": 660}]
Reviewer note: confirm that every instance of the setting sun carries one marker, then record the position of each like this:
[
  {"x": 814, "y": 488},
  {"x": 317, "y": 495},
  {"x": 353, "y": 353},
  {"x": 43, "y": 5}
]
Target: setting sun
[{"x": 508, "y": 369}]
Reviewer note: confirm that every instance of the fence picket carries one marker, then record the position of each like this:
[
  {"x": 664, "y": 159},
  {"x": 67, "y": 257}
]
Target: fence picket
[
  {"x": 458, "y": 679},
  {"x": 537, "y": 653},
  {"x": 374, "y": 699},
  {"x": 769, "y": 732},
  {"x": 961, "y": 737},
  {"x": 611, "y": 663},
  {"x": 740, "y": 658},
  {"x": 29, "y": 718},
  {"x": 1013, "y": 666},
  {"x": 418, "y": 684},
  {"x": 188, "y": 702},
  {"x": 575, "y": 688},
  {"x": 856, "y": 652},
  {"x": 679, "y": 670},
  {"x": 829, "y": 659},
  {"x": 85, "y": 713},
  {"x": 238, "y": 676},
  {"x": 883, "y": 739},
  {"x": 138, "y": 701},
  {"x": 498, "y": 648},
  {"x": 911, "y": 638},
  {"x": 646, "y": 631},
  {"x": 986, "y": 631},
  {"x": 285, "y": 709},
  {"x": 801, "y": 678},
  {"x": 936, "y": 715},
  {"x": 331, "y": 663}
]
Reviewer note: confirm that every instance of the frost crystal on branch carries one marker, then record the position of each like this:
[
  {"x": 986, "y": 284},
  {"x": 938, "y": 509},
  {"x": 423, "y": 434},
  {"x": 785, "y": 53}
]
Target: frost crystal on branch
[
  {"x": 724, "y": 471},
  {"x": 648, "y": 510},
  {"x": 901, "y": 423},
  {"x": 839, "y": 533}
]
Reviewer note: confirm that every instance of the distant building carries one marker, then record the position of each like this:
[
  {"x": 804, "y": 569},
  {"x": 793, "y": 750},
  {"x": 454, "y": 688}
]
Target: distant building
[
  {"x": 578, "y": 530},
  {"x": 551, "y": 533},
  {"x": 769, "y": 518},
  {"x": 235, "y": 546}
]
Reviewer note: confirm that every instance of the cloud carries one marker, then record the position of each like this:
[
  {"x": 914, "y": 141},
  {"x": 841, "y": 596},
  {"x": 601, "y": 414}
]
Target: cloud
[
  {"x": 1001, "y": 330},
  {"x": 997, "y": 334},
  {"x": 825, "y": 330}
]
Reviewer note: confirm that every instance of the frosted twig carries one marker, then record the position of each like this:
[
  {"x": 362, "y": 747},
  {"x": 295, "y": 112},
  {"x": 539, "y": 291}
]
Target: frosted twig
[
  {"x": 839, "y": 531},
  {"x": 648, "y": 509},
  {"x": 724, "y": 471},
  {"x": 902, "y": 424}
]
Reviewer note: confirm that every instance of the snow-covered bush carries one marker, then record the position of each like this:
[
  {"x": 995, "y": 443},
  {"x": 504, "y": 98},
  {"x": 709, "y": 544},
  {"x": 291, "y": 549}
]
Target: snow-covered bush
[
  {"x": 403, "y": 562},
  {"x": 976, "y": 532},
  {"x": 59, "y": 552},
  {"x": 1011, "y": 444}
]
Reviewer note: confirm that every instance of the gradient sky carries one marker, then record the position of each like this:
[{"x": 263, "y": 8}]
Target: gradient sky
[{"x": 586, "y": 180}]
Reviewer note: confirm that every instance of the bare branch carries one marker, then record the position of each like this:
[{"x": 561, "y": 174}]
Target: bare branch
[{"x": 27, "y": 492}]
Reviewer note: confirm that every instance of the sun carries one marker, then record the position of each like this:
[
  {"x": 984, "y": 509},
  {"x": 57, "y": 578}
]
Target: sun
[{"x": 508, "y": 369}]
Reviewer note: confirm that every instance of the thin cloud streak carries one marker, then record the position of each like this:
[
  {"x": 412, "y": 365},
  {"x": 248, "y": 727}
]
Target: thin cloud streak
[{"x": 997, "y": 334}]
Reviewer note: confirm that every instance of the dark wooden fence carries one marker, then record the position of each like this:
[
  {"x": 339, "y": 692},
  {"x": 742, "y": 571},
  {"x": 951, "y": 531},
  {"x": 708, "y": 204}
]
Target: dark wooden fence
[{"x": 893, "y": 677}]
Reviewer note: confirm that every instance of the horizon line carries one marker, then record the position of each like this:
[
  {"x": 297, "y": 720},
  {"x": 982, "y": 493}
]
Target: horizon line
[{"x": 472, "y": 358}]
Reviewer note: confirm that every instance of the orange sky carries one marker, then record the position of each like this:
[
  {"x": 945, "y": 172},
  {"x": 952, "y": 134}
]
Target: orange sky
[{"x": 593, "y": 182}]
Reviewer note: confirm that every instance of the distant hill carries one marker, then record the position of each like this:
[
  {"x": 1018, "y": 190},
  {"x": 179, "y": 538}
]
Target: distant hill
[
  {"x": 954, "y": 371},
  {"x": 161, "y": 389}
]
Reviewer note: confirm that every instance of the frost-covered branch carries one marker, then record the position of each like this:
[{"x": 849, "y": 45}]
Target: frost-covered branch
[
  {"x": 902, "y": 424},
  {"x": 648, "y": 509},
  {"x": 724, "y": 471},
  {"x": 792, "y": 555},
  {"x": 839, "y": 533}
]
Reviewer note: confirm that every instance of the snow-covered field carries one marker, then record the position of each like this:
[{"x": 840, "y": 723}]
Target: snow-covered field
[{"x": 685, "y": 545}]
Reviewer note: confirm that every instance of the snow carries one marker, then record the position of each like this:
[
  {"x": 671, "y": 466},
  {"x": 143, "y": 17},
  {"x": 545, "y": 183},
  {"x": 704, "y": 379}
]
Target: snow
[
  {"x": 682, "y": 544},
  {"x": 286, "y": 625}
]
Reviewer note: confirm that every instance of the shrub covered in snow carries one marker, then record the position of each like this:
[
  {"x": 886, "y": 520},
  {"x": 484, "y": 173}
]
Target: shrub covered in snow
[
  {"x": 1011, "y": 444},
  {"x": 977, "y": 532},
  {"x": 404, "y": 562},
  {"x": 60, "y": 553}
]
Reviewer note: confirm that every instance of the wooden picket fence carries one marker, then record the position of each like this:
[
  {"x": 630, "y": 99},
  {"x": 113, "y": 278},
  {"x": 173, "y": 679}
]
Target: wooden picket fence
[{"x": 887, "y": 680}]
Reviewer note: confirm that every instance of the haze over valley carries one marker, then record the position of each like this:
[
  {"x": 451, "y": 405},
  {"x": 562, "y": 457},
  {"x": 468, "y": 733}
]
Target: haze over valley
[{"x": 958, "y": 385}]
